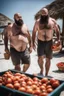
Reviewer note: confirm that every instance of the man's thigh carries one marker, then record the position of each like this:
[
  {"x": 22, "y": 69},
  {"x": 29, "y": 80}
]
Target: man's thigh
[{"x": 15, "y": 56}]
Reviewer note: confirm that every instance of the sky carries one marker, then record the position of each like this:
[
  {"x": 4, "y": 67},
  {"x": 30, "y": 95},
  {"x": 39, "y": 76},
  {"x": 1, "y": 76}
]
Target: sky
[{"x": 27, "y": 8}]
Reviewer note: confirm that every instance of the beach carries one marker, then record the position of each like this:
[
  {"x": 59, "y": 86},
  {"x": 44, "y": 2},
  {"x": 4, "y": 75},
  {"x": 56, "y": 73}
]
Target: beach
[{"x": 34, "y": 68}]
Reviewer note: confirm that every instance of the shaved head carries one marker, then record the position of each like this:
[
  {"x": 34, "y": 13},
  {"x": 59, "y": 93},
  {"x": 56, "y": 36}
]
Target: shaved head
[
  {"x": 17, "y": 15},
  {"x": 44, "y": 11},
  {"x": 18, "y": 19}
]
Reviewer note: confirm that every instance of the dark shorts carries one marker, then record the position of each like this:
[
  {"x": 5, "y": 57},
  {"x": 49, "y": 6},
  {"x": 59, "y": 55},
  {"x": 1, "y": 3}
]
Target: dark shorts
[
  {"x": 23, "y": 56},
  {"x": 44, "y": 48}
]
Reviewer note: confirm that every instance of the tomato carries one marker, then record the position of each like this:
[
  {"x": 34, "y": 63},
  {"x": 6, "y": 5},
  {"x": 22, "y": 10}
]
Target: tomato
[
  {"x": 36, "y": 92},
  {"x": 48, "y": 86},
  {"x": 9, "y": 80},
  {"x": 35, "y": 79},
  {"x": 49, "y": 90},
  {"x": 35, "y": 82},
  {"x": 34, "y": 87},
  {"x": 55, "y": 84},
  {"x": 17, "y": 74},
  {"x": 17, "y": 85},
  {"x": 42, "y": 87},
  {"x": 29, "y": 90},
  {"x": 29, "y": 83},
  {"x": 52, "y": 80},
  {"x": 22, "y": 89},
  {"x": 44, "y": 80},
  {"x": 0, "y": 84},
  {"x": 44, "y": 94},
  {"x": 44, "y": 84},
  {"x": 23, "y": 83},
  {"x": 0, "y": 80},
  {"x": 9, "y": 86}
]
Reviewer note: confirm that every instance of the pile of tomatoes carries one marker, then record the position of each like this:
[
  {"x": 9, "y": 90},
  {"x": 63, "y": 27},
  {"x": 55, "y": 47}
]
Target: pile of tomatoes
[
  {"x": 56, "y": 47},
  {"x": 60, "y": 64},
  {"x": 24, "y": 83}
]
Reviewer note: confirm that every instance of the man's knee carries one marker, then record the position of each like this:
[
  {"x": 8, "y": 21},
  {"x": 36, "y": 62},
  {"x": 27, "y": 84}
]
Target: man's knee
[
  {"x": 25, "y": 67},
  {"x": 47, "y": 60},
  {"x": 17, "y": 67},
  {"x": 40, "y": 60}
]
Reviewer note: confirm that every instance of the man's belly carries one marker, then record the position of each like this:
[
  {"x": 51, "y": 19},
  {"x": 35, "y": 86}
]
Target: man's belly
[
  {"x": 19, "y": 46},
  {"x": 43, "y": 38}
]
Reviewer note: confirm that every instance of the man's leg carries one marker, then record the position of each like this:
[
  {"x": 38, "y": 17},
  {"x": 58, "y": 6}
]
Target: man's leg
[
  {"x": 47, "y": 66},
  {"x": 17, "y": 67},
  {"x": 25, "y": 67},
  {"x": 40, "y": 62},
  {"x": 15, "y": 57},
  {"x": 25, "y": 60}
]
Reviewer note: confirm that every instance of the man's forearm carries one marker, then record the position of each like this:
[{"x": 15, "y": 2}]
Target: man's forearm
[
  {"x": 58, "y": 35},
  {"x": 6, "y": 42},
  {"x": 33, "y": 37}
]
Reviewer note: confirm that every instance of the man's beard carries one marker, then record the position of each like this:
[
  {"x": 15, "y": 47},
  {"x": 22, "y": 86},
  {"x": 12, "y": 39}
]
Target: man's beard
[
  {"x": 44, "y": 19},
  {"x": 19, "y": 22}
]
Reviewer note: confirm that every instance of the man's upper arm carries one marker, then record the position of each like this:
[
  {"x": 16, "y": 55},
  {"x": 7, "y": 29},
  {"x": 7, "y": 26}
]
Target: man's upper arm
[
  {"x": 35, "y": 27},
  {"x": 5, "y": 32}
]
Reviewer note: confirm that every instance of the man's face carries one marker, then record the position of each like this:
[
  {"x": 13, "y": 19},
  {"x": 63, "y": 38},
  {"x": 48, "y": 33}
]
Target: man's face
[{"x": 18, "y": 20}]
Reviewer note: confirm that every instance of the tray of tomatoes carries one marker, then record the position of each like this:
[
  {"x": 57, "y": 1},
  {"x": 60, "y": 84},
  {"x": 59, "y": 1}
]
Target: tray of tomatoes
[
  {"x": 23, "y": 84},
  {"x": 60, "y": 66}
]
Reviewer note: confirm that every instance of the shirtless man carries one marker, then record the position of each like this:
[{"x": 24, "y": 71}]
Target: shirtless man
[
  {"x": 19, "y": 37},
  {"x": 44, "y": 26}
]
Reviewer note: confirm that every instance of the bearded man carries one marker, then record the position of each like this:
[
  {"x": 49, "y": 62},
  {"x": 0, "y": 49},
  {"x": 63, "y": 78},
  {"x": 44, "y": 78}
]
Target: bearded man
[
  {"x": 19, "y": 38},
  {"x": 44, "y": 26}
]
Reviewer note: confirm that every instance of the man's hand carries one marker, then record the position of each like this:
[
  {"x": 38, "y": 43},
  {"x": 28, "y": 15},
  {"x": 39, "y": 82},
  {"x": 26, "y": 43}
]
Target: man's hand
[
  {"x": 30, "y": 49},
  {"x": 7, "y": 50},
  {"x": 34, "y": 47}
]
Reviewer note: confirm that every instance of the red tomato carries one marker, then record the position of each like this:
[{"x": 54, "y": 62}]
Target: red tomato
[
  {"x": 36, "y": 92},
  {"x": 55, "y": 84},
  {"x": 44, "y": 94},
  {"x": 9, "y": 80},
  {"x": 9, "y": 86},
  {"x": 42, "y": 87},
  {"x": 48, "y": 86},
  {"x": 44, "y": 80},
  {"x": 52, "y": 80},
  {"x": 17, "y": 85},
  {"x": 49, "y": 90},
  {"x": 35, "y": 79},
  {"x": 29, "y": 83},
  {"x": 29, "y": 90},
  {"x": 22, "y": 89},
  {"x": 34, "y": 87}
]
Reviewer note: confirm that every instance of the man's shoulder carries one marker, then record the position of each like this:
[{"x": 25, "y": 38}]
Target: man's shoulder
[
  {"x": 53, "y": 20},
  {"x": 37, "y": 22},
  {"x": 10, "y": 26},
  {"x": 24, "y": 27}
]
